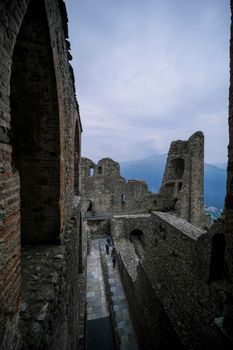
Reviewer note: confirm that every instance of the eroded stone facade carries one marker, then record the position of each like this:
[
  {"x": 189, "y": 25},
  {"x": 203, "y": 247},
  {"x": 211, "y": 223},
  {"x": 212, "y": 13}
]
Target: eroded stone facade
[
  {"x": 40, "y": 223},
  {"x": 181, "y": 191},
  {"x": 108, "y": 192},
  {"x": 182, "y": 188}
]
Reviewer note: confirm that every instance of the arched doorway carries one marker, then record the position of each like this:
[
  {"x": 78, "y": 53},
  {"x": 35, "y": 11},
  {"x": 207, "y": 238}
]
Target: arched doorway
[{"x": 35, "y": 128}]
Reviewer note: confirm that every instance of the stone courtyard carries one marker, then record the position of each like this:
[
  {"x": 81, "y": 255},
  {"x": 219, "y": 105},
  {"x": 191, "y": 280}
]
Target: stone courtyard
[{"x": 172, "y": 286}]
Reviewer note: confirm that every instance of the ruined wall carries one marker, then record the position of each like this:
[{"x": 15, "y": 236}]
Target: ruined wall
[
  {"x": 98, "y": 228},
  {"x": 175, "y": 257},
  {"x": 182, "y": 188},
  {"x": 38, "y": 118},
  {"x": 181, "y": 191},
  {"x": 153, "y": 328},
  {"x": 109, "y": 192},
  {"x": 228, "y": 317}
]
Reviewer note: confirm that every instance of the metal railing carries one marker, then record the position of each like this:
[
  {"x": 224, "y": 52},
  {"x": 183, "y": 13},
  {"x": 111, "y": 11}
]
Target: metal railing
[{"x": 92, "y": 215}]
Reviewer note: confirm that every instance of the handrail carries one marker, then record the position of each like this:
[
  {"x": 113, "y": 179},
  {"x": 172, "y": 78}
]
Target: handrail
[{"x": 97, "y": 215}]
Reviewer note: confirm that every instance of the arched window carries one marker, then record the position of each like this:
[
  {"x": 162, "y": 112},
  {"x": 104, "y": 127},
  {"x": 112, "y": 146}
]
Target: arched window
[
  {"x": 176, "y": 168},
  {"x": 35, "y": 128},
  {"x": 90, "y": 206}
]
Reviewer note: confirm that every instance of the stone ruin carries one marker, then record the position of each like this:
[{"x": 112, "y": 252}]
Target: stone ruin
[
  {"x": 178, "y": 277},
  {"x": 108, "y": 192},
  {"x": 181, "y": 191}
]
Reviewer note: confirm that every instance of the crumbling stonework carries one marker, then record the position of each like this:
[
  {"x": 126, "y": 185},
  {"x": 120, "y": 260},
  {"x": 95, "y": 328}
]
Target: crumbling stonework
[
  {"x": 108, "y": 192},
  {"x": 182, "y": 188},
  {"x": 181, "y": 191},
  {"x": 40, "y": 133}
]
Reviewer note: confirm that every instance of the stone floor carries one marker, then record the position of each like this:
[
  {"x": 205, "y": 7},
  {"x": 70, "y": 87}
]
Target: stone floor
[
  {"x": 99, "y": 327},
  {"x": 98, "y": 305}
]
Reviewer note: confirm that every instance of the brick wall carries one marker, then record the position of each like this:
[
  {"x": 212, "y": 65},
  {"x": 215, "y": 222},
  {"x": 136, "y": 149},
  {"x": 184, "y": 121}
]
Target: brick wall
[{"x": 38, "y": 118}]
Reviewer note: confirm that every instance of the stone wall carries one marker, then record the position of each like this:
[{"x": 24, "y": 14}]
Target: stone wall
[
  {"x": 98, "y": 228},
  {"x": 109, "y": 192},
  {"x": 175, "y": 258},
  {"x": 153, "y": 328},
  {"x": 49, "y": 310},
  {"x": 181, "y": 191},
  {"x": 40, "y": 131},
  {"x": 182, "y": 188}
]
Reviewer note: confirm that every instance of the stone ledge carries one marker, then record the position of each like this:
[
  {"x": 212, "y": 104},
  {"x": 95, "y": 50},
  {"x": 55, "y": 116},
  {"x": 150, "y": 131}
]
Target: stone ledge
[
  {"x": 131, "y": 216},
  {"x": 182, "y": 225},
  {"x": 42, "y": 270}
]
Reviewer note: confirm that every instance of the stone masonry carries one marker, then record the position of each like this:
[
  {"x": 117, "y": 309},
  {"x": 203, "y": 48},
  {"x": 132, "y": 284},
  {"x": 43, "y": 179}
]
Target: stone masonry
[
  {"x": 177, "y": 274},
  {"x": 182, "y": 188},
  {"x": 164, "y": 263},
  {"x": 108, "y": 192},
  {"x": 40, "y": 222},
  {"x": 181, "y": 191}
]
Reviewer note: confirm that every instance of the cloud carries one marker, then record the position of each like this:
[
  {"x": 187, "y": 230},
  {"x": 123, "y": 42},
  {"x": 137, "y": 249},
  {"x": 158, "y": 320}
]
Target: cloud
[{"x": 150, "y": 72}]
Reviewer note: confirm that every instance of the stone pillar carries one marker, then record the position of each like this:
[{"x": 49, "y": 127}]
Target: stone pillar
[{"x": 196, "y": 151}]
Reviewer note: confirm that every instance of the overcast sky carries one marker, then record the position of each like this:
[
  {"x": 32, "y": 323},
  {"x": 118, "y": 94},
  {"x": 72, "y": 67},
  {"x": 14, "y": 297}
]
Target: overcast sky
[{"x": 148, "y": 72}]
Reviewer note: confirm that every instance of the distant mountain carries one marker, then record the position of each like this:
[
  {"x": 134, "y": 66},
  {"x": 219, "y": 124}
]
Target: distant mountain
[
  {"x": 220, "y": 165},
  {"x": 214, "y": 185},
  {"x": 151, "y": 170}
]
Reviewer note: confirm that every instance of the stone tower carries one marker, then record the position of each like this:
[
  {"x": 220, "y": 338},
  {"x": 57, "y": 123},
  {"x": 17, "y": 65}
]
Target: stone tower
[{"x": 182, "y": 186}]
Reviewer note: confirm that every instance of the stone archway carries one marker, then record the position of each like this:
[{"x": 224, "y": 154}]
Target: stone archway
[{"x": 35, "y": 128}]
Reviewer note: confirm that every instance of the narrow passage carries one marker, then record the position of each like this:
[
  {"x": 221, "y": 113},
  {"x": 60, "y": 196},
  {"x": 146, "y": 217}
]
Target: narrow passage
[
  {"x": 108, "y": 321},
  {"x": 99, "y": 327}
]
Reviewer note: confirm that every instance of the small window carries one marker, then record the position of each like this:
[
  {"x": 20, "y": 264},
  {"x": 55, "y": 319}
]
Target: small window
[
  {"x": 91, "y": 172},
  {"x": 123, "y": 198},
  {"x": 179, "y": 186},
  {"x": 100, "y": 170}
]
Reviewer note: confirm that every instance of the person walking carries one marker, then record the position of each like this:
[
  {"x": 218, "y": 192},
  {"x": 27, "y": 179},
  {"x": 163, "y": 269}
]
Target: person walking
[
  {"x": 109, "y": 240},
  {"x": 114, "y": 256},
  {"x": 107, "y": 248}
]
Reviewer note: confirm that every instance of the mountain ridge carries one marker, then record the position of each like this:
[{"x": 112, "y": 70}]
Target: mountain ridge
[{"x": 151, "y": 170}]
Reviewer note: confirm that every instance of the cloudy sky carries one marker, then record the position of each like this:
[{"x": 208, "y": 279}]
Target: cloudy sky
[{"x": 149, "y": 72}]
